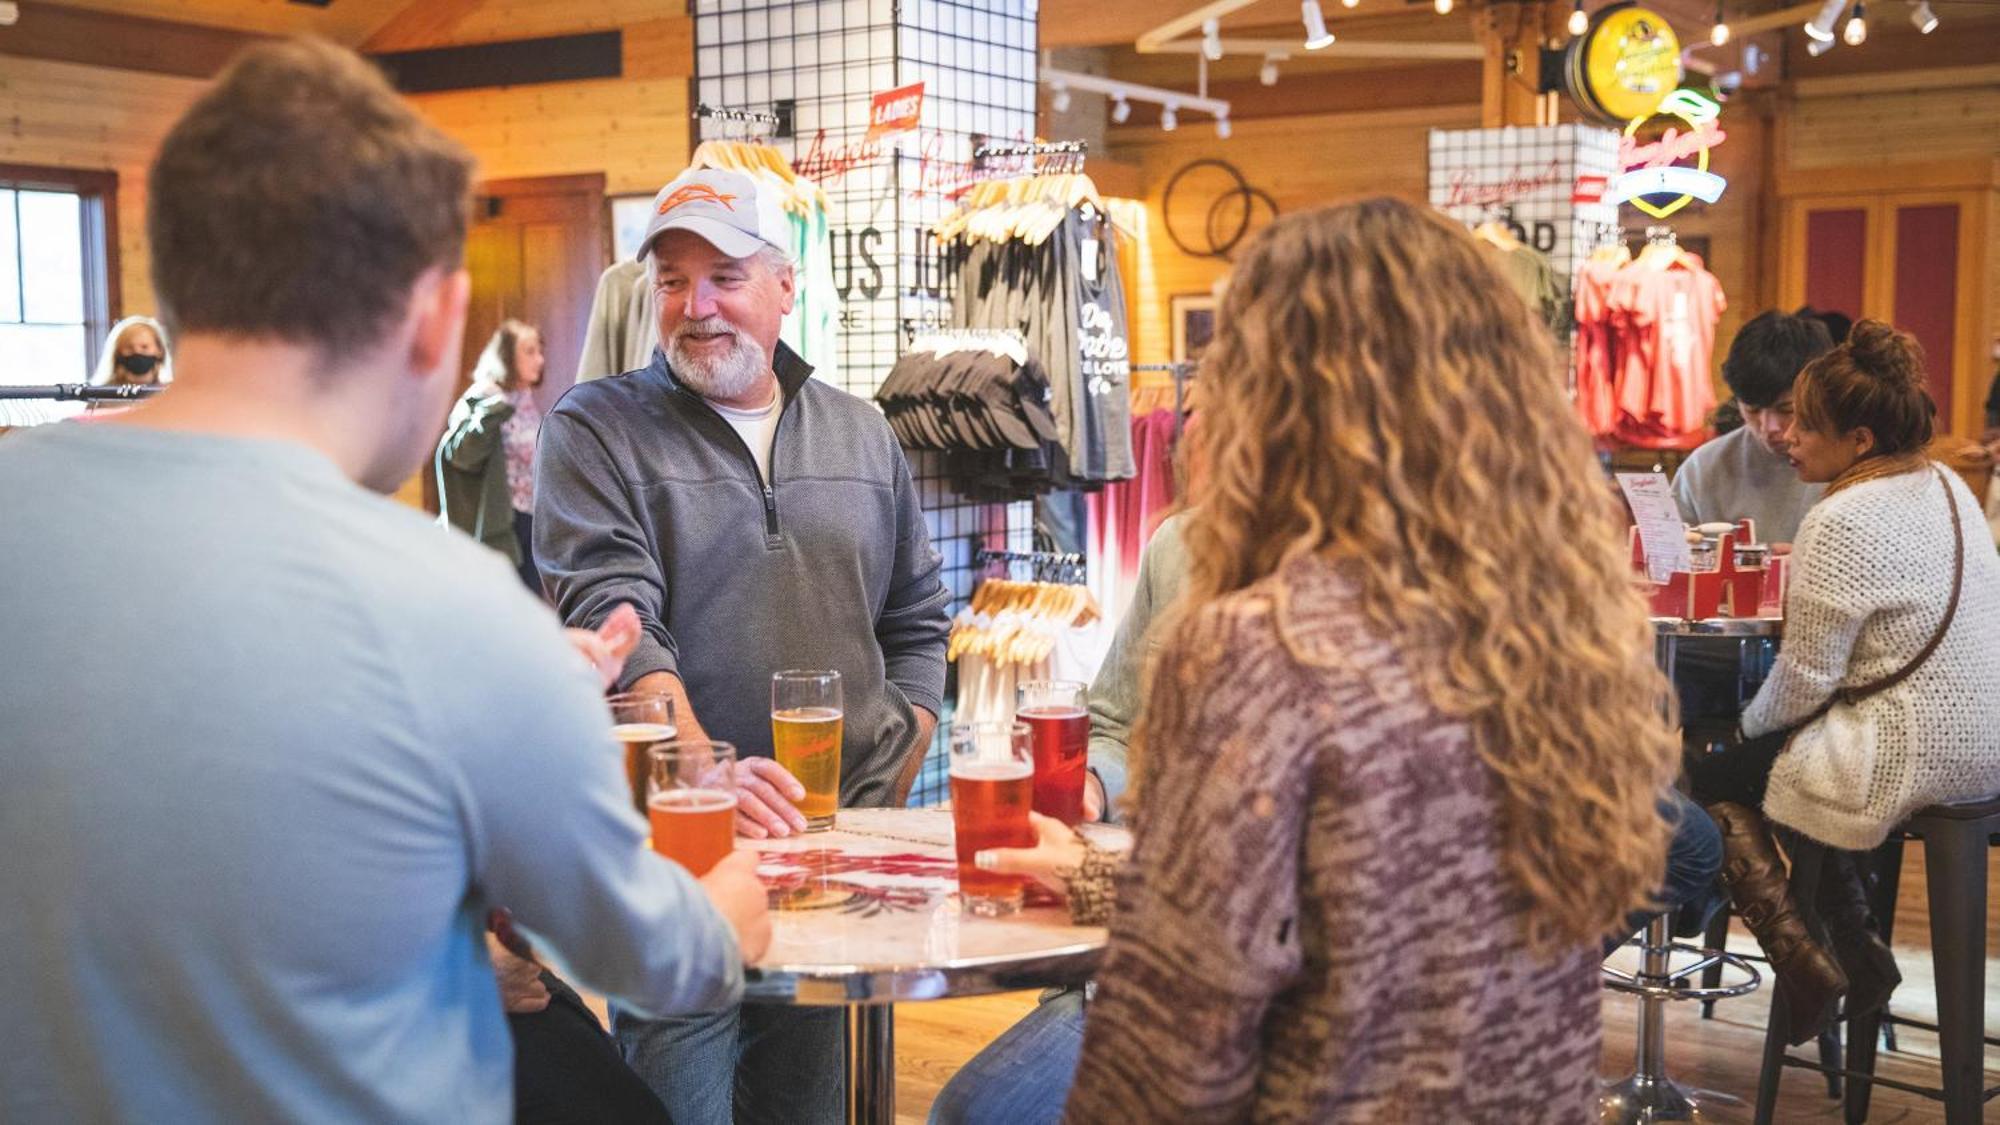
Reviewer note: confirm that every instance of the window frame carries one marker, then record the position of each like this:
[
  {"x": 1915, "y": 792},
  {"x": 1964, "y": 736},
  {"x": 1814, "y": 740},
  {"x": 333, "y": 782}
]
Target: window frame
[{"x": 103, "y": 300}]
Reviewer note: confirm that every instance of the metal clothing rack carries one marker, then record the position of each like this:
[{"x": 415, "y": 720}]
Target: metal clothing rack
[
  {"x": 1055, "y": 155},
  {"x": 1182, "y": 372},
  {"x": 753, "y": 121},
  {"x": 1062, "y": 568},
  {"x": 82, "y": 392}
]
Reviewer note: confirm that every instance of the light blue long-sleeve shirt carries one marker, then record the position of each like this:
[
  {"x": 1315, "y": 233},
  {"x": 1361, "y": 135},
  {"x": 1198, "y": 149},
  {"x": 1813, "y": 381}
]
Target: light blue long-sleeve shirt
[{"x": 270, "y": 747}]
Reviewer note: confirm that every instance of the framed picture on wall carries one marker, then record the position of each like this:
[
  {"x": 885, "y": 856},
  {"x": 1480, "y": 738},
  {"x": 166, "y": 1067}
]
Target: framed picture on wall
[
  {"x": 629, "y": 216},
  {"x": 1194, "y": 324}
]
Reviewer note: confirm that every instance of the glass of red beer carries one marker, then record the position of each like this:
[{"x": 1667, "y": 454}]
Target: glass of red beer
[
  {"x": 992, "y": 775},
  {"x": 691, "y": 802},
  {"x": 1057, "y": 712}
]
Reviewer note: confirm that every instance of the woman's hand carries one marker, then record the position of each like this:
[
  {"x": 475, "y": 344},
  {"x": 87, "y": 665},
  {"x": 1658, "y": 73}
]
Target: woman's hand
[{"x": 1057, "y": 848}]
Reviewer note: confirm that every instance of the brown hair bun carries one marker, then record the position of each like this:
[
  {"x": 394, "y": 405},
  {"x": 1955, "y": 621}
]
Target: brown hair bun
[
  {"x": 1883, "y": 353},
  {"x": 1877, "y": 380}
]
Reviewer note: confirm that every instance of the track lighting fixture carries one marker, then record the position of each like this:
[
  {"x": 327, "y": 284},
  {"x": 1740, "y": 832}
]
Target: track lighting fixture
[
  {"x": 1222, "y": 127},
  {"x": 1922, "y": 18},
  {"x": 1121, "y": 111},
  {"x": 1170, "y": 118},
  {"x": 1059, "y": 101},
  {"x": 1819, "y": 29},
  {"x": 1317, "y": 35},
  {"x": 1211, "y": 39},
  {"x": 1268, "y": 73}
]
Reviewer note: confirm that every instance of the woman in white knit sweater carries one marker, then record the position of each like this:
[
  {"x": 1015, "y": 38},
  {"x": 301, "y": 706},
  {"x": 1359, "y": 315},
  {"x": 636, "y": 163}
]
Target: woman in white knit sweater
[{"x": 1886, "y": 696}]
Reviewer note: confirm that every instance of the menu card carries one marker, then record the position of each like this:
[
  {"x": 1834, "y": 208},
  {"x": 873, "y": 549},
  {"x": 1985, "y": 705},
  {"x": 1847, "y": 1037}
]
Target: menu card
[{"x": 1661, "y": 530}]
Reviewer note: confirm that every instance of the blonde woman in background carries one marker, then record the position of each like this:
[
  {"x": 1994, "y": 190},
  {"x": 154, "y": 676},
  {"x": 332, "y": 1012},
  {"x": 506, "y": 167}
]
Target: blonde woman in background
[
  {"x": 135, "y": 354},
  {"x": 1399, "y": 770}
]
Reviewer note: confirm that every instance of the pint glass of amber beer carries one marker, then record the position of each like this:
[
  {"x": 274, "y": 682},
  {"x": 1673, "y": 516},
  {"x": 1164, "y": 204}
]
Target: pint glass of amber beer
[
  {"x": 640, "y": 721},
  {"x": 691, "y": 802},
  {"x": 992, "y": 785},
  {"x": 1056, "y": 713},
  {"x": 805, "y": 738}
]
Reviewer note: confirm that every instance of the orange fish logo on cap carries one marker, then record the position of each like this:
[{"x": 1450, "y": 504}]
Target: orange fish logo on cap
[{"x": 696, "y": 193}]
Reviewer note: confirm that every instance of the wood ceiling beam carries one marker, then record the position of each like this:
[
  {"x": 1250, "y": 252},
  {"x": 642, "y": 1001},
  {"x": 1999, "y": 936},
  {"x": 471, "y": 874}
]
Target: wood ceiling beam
[
  {"x": 1338, "y": 49},
  {"x": 94, "y": 38},
  {"x": 420, "y": 24}
]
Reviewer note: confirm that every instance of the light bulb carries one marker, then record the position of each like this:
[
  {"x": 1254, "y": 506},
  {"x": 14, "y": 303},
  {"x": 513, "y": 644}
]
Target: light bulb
[
  {"x": 1222, "y": 127},
  {"x": 1060, "y": 102},
  {"x": 1169, "y": 119},
  {"x": 1719, "y": 34},
  {"x": 1922, "y": 18},
  {"x": 1317, "y": 35},
  {"x": 1443, "y": 7},
  {"x": 1268, "y": 73},
  {"x": 1856, "y": 32},
  {"x": 1350, "y": 3},
  {"x": 1211, "y": 39},
  {"x": 1121, "y": 111},
  {"x": 1579, "y": 22}
]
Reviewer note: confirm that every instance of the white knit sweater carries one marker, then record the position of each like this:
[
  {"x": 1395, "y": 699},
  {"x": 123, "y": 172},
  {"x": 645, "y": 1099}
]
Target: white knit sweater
[{"x": 1872, "y": 573}]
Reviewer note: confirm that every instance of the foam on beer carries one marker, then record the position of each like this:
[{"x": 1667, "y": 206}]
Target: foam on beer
[
  {"x": 992, "y": 771},
  {"x": 642, "y": 732},
  {"x": 692, "y": 800}
]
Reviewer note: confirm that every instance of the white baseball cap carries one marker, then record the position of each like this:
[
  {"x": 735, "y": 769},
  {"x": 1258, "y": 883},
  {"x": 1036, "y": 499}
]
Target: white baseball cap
[{"x": 724, "y": 208}]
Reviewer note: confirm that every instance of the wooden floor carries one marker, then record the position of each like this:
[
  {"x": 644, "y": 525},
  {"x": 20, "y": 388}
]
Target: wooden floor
[{"x": 933, "y": 1040}]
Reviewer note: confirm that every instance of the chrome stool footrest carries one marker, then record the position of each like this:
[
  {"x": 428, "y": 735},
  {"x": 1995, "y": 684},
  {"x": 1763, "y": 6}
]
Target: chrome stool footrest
[{"x": 1649, "y": 1095}]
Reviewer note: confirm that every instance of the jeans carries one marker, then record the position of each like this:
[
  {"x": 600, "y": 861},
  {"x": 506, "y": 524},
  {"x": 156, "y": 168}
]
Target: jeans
[
  {"x": 1694, "y": 860},
  {"x": 754, "y": 1064},
  {"x": 1024, "y": 1076}
]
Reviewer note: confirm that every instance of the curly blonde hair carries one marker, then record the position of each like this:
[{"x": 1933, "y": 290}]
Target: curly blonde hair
[{"x": 1378, "y": 394}]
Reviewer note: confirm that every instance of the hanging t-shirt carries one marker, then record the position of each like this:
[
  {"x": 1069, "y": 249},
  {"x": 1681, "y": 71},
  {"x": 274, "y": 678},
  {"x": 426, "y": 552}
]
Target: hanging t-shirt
[{"x": 757, "y": 428}]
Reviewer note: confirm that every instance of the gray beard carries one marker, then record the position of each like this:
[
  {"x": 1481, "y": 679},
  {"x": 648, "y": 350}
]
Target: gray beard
[{"x": 726, "y": 377}]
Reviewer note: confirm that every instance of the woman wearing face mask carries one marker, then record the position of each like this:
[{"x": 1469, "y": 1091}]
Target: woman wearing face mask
[
  {"x": 486, "y": 462},
  {"x": 135, "y": 354},
  {"x": 1886, "y": 696}
]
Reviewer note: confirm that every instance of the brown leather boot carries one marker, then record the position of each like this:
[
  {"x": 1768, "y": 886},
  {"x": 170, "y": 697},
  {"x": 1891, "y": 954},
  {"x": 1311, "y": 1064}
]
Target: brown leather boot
[
  {"x": 1755, "y": 877},
  {"x": 1842, "y": 903}
]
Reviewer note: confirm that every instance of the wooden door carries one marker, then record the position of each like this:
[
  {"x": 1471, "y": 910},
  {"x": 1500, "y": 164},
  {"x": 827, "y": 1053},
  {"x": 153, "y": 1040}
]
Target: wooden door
[
  {"x": 534, "y": 252},
  {"x": 1917, "y": 259}
]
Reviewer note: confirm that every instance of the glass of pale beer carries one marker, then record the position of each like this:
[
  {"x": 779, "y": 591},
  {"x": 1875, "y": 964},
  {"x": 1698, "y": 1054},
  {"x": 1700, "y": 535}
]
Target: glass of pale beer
[
  {"x": 640, "y": 720},
  {"x": 691, "y": 802},
  {"x": 805, "y": 738},
  {"x": 992, "y": 785},
  {"x": 1056, "y": 712}
]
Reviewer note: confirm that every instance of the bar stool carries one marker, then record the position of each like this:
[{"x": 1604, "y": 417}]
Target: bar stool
[
  {"x": 1956, "y": 842},
  {"x": 1649, "y": 1095},
  {"x": 1717, "y": 937}
]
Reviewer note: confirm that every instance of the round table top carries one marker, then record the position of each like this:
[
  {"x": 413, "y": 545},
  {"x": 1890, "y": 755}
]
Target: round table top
[
  {"x": 868, "y": 913},
  {"x": 1719, "y": 627}
]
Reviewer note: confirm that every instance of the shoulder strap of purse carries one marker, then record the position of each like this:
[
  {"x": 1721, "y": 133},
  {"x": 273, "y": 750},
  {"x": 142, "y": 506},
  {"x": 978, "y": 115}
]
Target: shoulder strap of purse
[{"x": 1863, "y": 691}]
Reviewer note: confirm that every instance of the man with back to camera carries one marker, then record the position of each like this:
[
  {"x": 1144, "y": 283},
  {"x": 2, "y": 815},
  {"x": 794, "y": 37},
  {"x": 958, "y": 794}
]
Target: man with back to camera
[
  {"x": 251, "y": 882},
  {"x": 1746, "y": 472},
  {"x": 760, "y": 520}
]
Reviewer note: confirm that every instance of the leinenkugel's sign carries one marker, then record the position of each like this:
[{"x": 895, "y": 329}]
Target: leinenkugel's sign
[
  {"x": 1655, "y": 179},
  {"x": 1624, "y": 66}
]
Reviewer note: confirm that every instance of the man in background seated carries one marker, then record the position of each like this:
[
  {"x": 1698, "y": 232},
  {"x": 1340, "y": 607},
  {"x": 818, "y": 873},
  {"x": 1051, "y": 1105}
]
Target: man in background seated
[
  {"x": 252, "y": 882},
  {"x": 1747, "y": 472}
]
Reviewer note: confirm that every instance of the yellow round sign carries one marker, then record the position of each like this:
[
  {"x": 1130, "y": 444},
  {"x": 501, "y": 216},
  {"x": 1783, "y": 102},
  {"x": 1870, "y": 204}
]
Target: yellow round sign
[{"x": 1631, "y": 61}]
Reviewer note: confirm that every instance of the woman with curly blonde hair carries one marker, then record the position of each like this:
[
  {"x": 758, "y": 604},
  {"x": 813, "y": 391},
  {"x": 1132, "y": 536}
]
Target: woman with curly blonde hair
[{"x": 1399, "y": 769}]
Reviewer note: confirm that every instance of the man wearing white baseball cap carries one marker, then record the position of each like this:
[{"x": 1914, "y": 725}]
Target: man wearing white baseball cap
[{"x": 760, "y": 520}]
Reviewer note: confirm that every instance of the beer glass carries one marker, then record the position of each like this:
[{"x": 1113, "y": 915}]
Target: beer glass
[
  {"x": 992, "y": 777},
  {"x": 691, "y": 802},
  {"x": 805, "y": 738},
  {"x": 640, "y": 720},
  {"x": 1056, "y": 713}
]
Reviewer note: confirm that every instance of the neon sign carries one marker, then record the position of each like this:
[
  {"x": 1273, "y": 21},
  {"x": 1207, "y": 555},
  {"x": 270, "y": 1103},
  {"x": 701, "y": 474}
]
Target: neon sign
[{"x": 1652, "y": 169}]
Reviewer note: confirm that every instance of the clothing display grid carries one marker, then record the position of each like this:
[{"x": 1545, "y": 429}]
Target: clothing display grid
[{"x": 976, "y": 59}]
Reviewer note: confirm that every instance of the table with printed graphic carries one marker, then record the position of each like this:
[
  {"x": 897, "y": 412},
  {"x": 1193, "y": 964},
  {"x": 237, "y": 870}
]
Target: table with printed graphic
[{"x": 867, "y": 916}]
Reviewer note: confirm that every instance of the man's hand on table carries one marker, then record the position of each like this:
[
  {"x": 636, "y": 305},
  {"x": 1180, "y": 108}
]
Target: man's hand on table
[
  {"x": 521, "y": 988},
  {"x": 733, "y": 887},
  {"x": 766, "y": 793}
]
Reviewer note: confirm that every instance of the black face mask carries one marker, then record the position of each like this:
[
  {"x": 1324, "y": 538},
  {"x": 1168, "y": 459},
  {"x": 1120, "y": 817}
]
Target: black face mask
[{"x": 139, "y": 364}]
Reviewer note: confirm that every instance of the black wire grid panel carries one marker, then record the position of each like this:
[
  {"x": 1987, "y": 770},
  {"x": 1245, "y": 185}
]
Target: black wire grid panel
[
  {"x": 1539, "y": 182},
  {"x": 827, "y": 58}
]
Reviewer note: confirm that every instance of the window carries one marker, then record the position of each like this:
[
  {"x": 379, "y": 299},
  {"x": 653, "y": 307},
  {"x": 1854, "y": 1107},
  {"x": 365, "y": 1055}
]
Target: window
[{"x": 58, "y": 287}]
